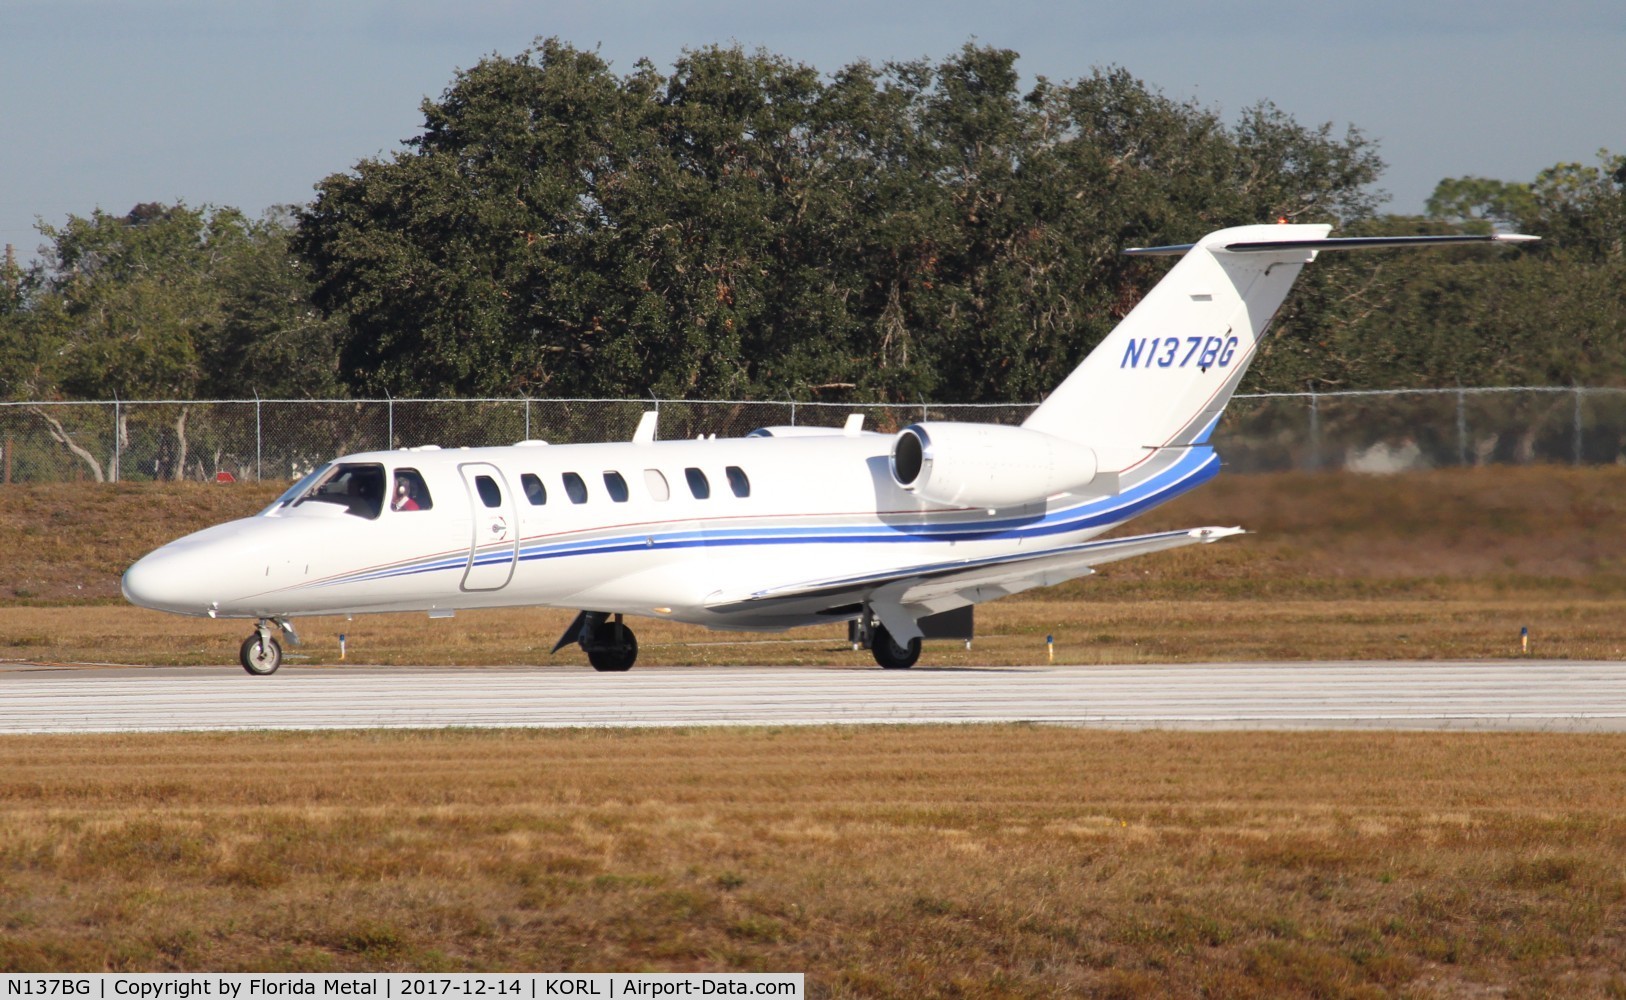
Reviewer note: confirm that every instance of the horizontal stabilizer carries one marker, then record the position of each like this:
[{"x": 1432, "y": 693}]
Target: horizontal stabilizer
[{"x": 1333, "y": 243}]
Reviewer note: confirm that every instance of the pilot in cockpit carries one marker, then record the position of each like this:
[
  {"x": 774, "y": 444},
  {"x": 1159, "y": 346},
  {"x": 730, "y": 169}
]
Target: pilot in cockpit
[
  {"x": 403, "y": 496},
  {"x": 411, "y": 492}
]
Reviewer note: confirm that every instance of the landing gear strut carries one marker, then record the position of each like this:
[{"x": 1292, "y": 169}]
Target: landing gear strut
[
  {"x": 261, "y": 653},
  {"x": 609, "y": 644}
]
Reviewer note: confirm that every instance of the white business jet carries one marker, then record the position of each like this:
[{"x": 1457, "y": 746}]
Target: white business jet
[{"x": 787, "y": 526}]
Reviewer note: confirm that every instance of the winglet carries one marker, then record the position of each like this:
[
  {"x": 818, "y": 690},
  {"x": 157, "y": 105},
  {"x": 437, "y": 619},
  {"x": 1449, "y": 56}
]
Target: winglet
[{"x": 645, "y": 434}]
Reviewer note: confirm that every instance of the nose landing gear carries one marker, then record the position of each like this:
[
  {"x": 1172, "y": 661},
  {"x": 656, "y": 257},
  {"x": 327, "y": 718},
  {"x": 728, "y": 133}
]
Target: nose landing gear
[{"x": 261, "y": 653}]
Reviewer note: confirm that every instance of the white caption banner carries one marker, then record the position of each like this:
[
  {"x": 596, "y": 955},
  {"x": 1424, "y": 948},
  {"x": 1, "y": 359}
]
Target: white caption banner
[{"x": 396, "y": 986}]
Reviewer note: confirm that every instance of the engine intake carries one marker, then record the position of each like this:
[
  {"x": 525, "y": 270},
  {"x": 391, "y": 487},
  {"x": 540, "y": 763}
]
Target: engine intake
[{"x": 987, "y": 465}]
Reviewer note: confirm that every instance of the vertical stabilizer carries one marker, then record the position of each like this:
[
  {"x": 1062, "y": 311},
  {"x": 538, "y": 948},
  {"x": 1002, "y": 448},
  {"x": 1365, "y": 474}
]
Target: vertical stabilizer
[{"x": 1163, "y": 376}]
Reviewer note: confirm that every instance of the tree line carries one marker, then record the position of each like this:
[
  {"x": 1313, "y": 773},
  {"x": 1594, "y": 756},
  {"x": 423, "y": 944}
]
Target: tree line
[{"x": 745, "y": 226}]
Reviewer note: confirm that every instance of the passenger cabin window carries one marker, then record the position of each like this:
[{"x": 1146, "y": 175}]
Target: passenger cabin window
[
  {"x": 490, "y": 494},
  {"x": 411, "y": 493},
  {"x": 617, "y": 486},
  {"x": 737, "y": 481},
  {"x": 358, "y": 488},
  {"x": 656, "y": 484},
  {"x": 697, "y": 483},
  {"x": 575, "y": 489},
  {"x": 534, "y": 490}
]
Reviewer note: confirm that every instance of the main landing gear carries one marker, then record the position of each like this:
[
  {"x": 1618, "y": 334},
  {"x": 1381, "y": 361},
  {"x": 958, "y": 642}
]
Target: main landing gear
[
  {"x": 888, "y": 652},
  {"x": 609, "y": 644},
  {"x": 261, "y": 653}
]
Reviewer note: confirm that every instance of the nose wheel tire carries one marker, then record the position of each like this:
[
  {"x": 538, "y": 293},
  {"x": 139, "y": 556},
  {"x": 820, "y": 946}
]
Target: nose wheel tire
[
  {"x": 260, "y": 655},
  {"x": 889, "y": 654}
]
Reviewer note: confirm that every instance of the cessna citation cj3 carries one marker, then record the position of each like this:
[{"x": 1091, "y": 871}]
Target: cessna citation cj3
[{"x": 787, "y": 526}]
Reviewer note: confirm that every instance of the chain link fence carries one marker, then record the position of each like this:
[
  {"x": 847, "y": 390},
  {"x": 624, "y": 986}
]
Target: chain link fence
[{"x": 282, "y": 439}]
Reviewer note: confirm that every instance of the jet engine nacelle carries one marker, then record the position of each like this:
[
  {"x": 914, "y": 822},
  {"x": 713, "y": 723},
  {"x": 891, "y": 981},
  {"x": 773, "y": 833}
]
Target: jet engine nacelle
[{"x": 987, "y": 465}]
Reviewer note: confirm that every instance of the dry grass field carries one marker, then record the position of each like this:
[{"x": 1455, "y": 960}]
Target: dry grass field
[{"x": 883, "y": 862}]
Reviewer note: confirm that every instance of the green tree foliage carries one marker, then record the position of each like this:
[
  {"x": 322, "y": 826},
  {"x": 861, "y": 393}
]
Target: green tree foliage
[
  {"x": 1582, "y": 209},
  {"x": 266, "y": 338},
  {"x": 1479, "y": 204},
  {"x": 164, "y": 302},
  {"x": 1551, "y": 314},
  {"x": 116, "y": 305},
  {"x": 747, "y": 227}
]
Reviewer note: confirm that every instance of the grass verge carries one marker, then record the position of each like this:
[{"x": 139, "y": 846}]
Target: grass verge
[{"x": 884, "y": 862}]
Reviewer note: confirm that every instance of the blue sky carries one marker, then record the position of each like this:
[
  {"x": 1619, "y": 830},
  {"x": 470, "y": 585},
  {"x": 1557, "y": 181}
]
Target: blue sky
[{"x": 249, "y": 103}]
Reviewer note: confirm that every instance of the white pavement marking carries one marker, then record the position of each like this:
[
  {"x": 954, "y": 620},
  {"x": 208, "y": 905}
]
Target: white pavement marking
[
  {"x": 1512, "y": 695},
  {"x": 1554, "y": 695}
]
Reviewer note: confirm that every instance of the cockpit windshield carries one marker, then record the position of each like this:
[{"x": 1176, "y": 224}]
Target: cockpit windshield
[
  {"x": 297, "y": 490},
  {"x": 357, "y": 487}
]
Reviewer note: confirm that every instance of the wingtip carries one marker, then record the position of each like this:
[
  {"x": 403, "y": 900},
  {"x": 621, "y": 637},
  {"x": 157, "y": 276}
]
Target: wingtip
[{"x": 1214, "y": 534}]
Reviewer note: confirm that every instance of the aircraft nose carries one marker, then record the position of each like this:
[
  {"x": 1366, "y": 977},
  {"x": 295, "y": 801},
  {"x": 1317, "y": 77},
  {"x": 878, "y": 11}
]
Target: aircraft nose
[{"x": 161, "y": 581}]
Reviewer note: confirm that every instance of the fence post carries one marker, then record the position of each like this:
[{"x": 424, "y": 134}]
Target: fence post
[
  {"x": 527, "y": 418},
  {"x": 1315, "y": 433},
  {"x": 1578, "y": 448},
  {"x": 1462, "y": 428},
  {"x": 259, "y": 459},
  {"x": 118, "y": 451},
  {"x": 389, "y": 419}
]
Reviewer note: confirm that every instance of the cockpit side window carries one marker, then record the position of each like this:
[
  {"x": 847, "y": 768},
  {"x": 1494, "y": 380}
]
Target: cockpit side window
[
  {"x": 411, "y": 493},
  {"x": 357, "y": 487}
]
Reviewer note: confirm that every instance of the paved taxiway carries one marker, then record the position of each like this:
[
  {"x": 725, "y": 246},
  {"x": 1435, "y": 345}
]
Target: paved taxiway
[{"x": 1525, "y": 694}]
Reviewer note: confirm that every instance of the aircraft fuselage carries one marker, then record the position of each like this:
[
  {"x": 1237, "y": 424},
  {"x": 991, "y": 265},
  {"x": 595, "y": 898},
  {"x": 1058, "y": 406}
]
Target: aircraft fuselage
[{"x": 665, "y": 529}]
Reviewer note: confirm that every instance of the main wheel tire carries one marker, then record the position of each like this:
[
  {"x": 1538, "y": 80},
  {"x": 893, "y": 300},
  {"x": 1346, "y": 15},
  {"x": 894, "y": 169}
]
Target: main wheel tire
[
  {"x": 260, "y": 658},
  {"x": 611, "y": 653},
  {"x": 889, "y": 654}
]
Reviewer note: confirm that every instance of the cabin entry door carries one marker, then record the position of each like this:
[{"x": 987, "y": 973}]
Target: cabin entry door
[{"x": 494, "y": 547}]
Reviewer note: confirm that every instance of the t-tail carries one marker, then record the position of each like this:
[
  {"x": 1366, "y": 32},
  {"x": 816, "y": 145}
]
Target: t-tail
[
  {"x": 1134, "y": 418},
  {"x": 1162, "y": 377}
]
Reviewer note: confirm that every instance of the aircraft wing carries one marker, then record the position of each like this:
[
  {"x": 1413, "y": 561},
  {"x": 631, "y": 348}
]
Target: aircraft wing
[{"x": 928, "y": 589}]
